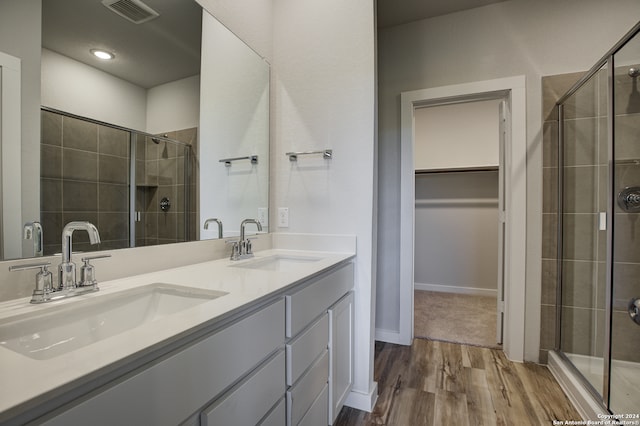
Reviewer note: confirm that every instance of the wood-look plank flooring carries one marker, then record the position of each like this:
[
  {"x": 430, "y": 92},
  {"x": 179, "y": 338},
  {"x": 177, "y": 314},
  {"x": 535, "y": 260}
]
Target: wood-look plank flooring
[{"x": 439, "y": 383}]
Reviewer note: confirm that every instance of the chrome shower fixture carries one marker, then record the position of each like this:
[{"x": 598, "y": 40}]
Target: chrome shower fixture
[{"x": 634, "y": 72}]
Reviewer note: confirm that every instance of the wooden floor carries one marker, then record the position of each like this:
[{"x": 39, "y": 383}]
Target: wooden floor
[{"x": 438, "y": 383}]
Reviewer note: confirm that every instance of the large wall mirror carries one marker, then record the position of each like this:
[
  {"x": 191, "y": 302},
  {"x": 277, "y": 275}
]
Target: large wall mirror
[{"x": 173, "y": 130}]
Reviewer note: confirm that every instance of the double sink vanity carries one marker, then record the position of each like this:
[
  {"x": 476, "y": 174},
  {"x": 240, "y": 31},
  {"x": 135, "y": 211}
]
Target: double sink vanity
[{"x": 266, "y": 340}]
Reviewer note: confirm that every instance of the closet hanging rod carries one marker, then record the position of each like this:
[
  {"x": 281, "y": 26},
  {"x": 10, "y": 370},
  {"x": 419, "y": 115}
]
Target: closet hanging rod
[
  {"x": 458, "y": 170},
  {"x": 326, "y": 154},
  {"x": 227, "y": 161}
]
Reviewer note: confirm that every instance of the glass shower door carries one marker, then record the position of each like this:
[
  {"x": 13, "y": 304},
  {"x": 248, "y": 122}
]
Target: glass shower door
[
  {"x": 624, "y": 393},
  {"x": 583, "y": 249}
]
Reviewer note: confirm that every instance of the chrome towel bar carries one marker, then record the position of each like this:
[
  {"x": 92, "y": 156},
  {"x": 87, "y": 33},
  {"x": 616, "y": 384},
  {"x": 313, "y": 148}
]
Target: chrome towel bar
[
  {"x": 252, "y": 158},
  {"x": 326, "y": 154}
]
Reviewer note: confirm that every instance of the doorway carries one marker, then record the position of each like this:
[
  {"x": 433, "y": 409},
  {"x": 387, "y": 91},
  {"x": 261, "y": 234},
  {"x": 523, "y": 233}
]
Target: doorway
[
  {"x": 458, "y": 249},
  {"x": 512, "y": 89}
]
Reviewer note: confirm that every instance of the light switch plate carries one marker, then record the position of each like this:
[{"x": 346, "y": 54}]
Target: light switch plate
[{"x": 263, "y": 216}]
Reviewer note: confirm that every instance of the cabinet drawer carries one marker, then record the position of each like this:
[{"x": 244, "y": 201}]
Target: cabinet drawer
[
  {"x": 184, "y": 382},
  {"x": 305, "y": 348},
  {"x": 278, "y": 416},
  {"x": 250, "y": 401},
  {"x": 306, "y": 390},
  {"x": 310, "y": 302},
  {"x": 317, "y": 414}
]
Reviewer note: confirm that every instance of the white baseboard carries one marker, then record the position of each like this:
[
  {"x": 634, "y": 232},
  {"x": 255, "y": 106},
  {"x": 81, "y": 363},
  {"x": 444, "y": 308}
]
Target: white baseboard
[
  {"x": 389, "y": 336},
  {"x": 361, "y": 400},
  {"x": 455, "y": 289}
]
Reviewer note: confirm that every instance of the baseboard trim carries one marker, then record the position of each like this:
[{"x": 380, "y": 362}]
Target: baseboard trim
[
  {"x": 361, "y": 400},
  {"x": 455, "y": 289},
  {"x": 389, "y": 336}
]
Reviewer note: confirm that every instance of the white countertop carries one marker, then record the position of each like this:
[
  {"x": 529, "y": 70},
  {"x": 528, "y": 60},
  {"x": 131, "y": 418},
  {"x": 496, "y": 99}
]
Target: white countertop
[{"x": 27, "y": 382}]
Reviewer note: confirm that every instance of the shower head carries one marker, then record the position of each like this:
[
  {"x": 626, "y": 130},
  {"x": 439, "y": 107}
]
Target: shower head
[
  {"x": 634, "y": 72},
  {"x": 156, "y": 141}
]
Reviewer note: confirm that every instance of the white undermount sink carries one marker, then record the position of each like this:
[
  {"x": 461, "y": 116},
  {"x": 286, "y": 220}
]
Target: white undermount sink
[
  {"x": 277, "y": 262},
  {"x": 61, "y": 329}
]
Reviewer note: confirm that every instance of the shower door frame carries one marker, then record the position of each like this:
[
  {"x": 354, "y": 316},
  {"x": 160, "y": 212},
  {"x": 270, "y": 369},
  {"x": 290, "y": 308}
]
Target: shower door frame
[{"x": 608, "y": 60}]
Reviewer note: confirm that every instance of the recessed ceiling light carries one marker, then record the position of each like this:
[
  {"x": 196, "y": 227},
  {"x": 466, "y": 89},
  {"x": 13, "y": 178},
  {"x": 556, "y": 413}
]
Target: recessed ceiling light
[{"x": 102, "y": 54}]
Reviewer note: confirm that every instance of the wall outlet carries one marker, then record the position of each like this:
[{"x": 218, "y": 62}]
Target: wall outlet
[
  {"x": 283, "y": 217},
  {"x": 263, "y": 216}
]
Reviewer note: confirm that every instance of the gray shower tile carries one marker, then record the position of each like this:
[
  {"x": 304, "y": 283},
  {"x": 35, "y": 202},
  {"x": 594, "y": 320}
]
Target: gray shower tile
[
  {"x": 625, "y": 284},
  {"x": 578, "y": 192},
  {"x": 167, "y": 226},
  {"x": 549, "y": 281},
  {"x": 50, "y": 195},
  {"x": 580, "y": 242},
  {"x": 554, "y": 87},
  {"x": 113, "y": 226},
  {"x": 80, "y": 196},
  {"x": 50, "y": 161},
  {"x": 579, "y": 330},
  {"x": 113, "y": 198},
  {"x": 151, "y": 172},
  {"x": 580, "y": 142},
  {"x": 80, "y": 165},
  {"x": 624, "y": 334},
  {"x": 52, "y": 229},
  {"x": 627, "y": 131},
  {"x": 547, "y": 327},
  {"x": 550, "y": 190},
  {"x": 113, "y": 169},
  {"x": 584, "y": 102},
  {"x": 113, "y": 141},
  {"x": 110, "y": 245},
  {"x": 549, "y": 232},
  {"x": 167, "y": 171},
  {"x": 79, "y": 134},
  {"x": 151, "y": 225},
  {"x": 550, "y": 144},
  {"x": 579, "y": 284},
  {"x": 188, "y": 136},
  {"x": 51, "y": 128},
  {"x": 627, "y": 237}
]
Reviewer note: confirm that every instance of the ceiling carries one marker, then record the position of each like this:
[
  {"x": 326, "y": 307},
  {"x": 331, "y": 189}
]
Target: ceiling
[
  {"x": 396, "y": 12},
  {"x": 158, "y": 51}
]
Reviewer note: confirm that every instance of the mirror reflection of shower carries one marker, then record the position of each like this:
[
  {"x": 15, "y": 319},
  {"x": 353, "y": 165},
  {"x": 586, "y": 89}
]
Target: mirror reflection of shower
[{"x": 633, "y": 105}]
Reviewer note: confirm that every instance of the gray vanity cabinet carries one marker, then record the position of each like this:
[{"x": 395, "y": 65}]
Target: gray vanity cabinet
[
  {"x": 177, "y": 386},
  {"x": 319, "y": 328}
]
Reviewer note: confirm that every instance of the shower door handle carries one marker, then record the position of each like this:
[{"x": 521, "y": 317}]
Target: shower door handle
[{"x": 634, "y": 310}]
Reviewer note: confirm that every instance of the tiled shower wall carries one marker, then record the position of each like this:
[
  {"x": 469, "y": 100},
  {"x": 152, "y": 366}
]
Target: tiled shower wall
[
  {"x": 85, "y": 176},
  {"x": 160, "y": 173},
  {"x": 586, "y": 189}
]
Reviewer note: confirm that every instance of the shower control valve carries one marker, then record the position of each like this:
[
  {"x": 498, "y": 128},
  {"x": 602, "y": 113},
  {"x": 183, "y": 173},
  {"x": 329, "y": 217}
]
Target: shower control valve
[{"x": 629, "y": 199}]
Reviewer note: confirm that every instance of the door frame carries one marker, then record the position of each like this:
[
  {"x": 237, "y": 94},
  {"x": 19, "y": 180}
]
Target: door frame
[{"x": 513, "y": 89}]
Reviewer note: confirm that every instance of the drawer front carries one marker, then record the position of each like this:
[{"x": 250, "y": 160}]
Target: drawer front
[
  {"x": 186, "y": 381},
  {"x": 306, "y": 390},
  {"x": 317, "y": 414},
  {"x": 310, "y": 302},
  {"x": 305, "y": 348},
  {"x": 250, "y": 401},
  {"x": 278, "y": 416}
]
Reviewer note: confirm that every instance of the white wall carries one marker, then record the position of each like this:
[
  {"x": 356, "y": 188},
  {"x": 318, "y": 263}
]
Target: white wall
[
  {"x": 71, "y": 86},
  {"x": 517, "y": 37},
  {"x": 234, "y": 123},
  {"x": 457, "y": 136},
  {"x": 20, "y": 36},
  {"x": 173, "y": 106},
  {"x": 323, "y": 84},
  {"x": 456, "y": 232}
]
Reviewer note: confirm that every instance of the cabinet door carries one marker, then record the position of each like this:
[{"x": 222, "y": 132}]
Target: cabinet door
[{"x": 341, "y": 318}]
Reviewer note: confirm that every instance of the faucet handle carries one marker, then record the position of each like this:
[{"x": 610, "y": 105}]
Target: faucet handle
[
  {"x": 88, "y": 272},
  {"x": 44, "y": 280}
]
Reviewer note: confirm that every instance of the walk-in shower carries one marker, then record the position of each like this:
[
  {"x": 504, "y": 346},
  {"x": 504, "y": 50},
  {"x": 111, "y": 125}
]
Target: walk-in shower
[
  {"x": 138, "y": 189},
  {"x": 598, "y": 279}
]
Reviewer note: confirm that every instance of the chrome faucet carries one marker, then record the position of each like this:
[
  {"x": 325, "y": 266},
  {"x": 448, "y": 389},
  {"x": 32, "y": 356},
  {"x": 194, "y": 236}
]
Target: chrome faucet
[
  {"x": 241, "y": 249},
  {"x": 67, "y": 284},
  {"x": 33, "y": 231},
  {"x": 67, "y": 269},
  {"x": 218, "y": 221}
]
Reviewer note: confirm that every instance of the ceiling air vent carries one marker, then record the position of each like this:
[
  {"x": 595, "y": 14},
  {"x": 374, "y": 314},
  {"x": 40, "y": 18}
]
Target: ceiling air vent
[{"x": 132, "y": 10}]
